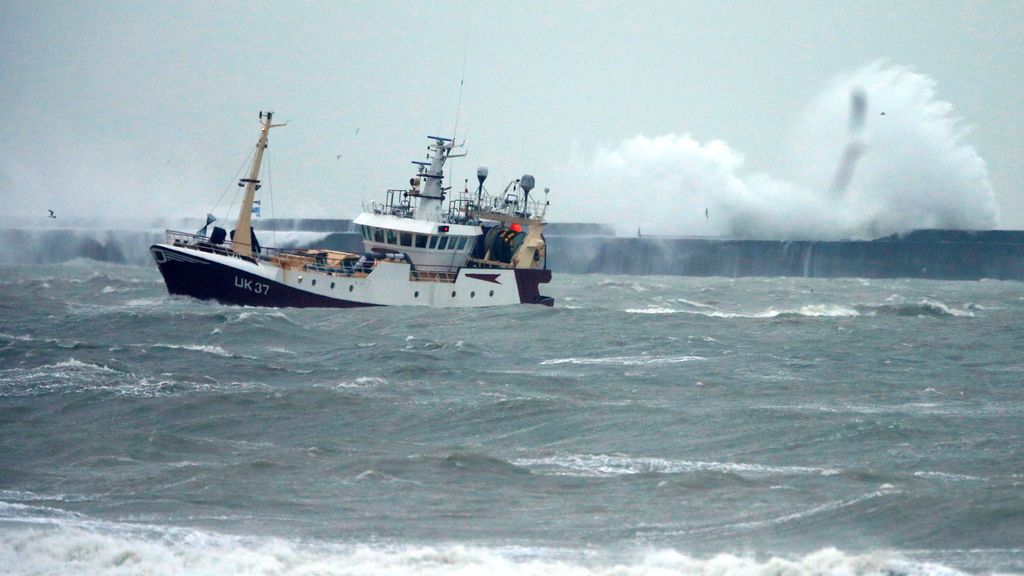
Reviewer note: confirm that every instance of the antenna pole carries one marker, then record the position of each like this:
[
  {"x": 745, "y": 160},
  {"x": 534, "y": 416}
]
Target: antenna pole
[{"x": 462, "y": 81}]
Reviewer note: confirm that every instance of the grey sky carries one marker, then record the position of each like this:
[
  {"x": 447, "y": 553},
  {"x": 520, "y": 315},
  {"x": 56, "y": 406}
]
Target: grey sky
[{"x": 148, "y": 109}]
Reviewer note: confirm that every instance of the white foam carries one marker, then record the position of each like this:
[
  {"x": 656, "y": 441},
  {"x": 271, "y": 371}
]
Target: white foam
[
  {"x": 9, "y": 496},
  {"x": 827, "y": 310},
  {"x": 96, "y": 550},
  {"x": 652, "y": 310},
  {"x": 362, "y": 382},
  {"x": 146, "y": 302},
  {"x": 280, "y": 350},
  {"x": 73, "y": 376},
  {"x": 693, "y": 304},
  {"x": 624, "y": 360},
  {"x": 913, "y": 408},
  {"x": 941, "y": 308},
  {"x": 604, "y": 465},
  {"x": 206, "y": 348},
  {"x": 258, "y": 314},
  {"x": 622, "y": 284},
  {"x": 809, "y": 310},
  {"x": 76, "y": 365},
  {"x": 946, "y": 476}
]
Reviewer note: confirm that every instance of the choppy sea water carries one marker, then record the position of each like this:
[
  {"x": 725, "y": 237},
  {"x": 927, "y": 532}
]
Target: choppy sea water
[{"x": 645, "y": 425}]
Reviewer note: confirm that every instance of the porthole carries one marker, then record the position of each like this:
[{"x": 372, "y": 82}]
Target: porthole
[
  {"x": 300, "y": 279},
  {"x": 416, "y": 294},
  {"x": 332, "y": 285},
  {"x": 472, "y": 294},
  {"x": 350, "y": 288},
  {"x": 491, "y": 294},
  {"x": 453, "y": 293},
  {"x": 313, "y": 283}
]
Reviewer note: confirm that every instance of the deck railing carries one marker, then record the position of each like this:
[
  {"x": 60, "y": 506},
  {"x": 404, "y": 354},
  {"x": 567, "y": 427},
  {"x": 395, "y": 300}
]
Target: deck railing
[
  {"x": 469, "y": 203},
  {"x": 284, "y": 258},
  {"x": 301, "y": 261}
]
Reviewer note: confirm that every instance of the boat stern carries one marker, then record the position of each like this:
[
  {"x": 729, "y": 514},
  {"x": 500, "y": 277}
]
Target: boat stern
[{"x": 529, "y": 280}]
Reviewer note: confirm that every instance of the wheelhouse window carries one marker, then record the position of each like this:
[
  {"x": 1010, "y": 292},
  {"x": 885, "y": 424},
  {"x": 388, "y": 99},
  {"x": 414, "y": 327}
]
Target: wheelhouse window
[
  {"x": 421, "y": 241},
  {"x": 406, "y": 238},
  {"x": 378, "y": 235},
  {"x": 443, "y": 244},
  {"x": 433, "y": 242},
  {"x": 392, "y": 237},
  {"x": 462, "y": 242}
]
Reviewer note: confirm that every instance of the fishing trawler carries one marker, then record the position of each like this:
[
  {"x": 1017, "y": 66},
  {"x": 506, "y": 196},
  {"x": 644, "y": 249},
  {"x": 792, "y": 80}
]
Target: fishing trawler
[{"x": 477, "y": 250}]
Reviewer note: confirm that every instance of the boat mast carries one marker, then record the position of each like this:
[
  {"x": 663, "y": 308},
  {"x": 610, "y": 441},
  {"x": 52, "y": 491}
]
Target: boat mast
[
  {"x": 241, "y": 243},
  {"x": 432, "y": 196}
]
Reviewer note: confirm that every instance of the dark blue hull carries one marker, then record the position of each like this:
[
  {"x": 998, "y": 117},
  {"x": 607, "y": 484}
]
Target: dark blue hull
[{"x": 188, "y": 275}]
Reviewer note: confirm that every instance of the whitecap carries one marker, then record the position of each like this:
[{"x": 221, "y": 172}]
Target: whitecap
[
  {"x": 914, "y": 408},
  {"x": 809, "y": 311},
  {"x": 604, "y": 465},
  {"x": 827, "y": 310},
  {"x": 260, "y": 314},
  {"x": 652, "y": 310},
  {"x": 624, "y": 360},
  {"x": 146, "y": 302},
  {"x": 362, "y": 382},
  {"x": 206, "y": 348},
  {"x": 946, "y": 476},
  {"x": 694, "y": 304},
  {"x": 60, "y": 545},
  {"x": 941, "y": 308},
  {"x": 73, "y": 364}
]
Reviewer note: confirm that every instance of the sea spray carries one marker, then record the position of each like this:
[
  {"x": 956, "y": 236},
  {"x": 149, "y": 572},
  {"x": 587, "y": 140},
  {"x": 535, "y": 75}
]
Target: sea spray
[{"x": 913, "y": 170}]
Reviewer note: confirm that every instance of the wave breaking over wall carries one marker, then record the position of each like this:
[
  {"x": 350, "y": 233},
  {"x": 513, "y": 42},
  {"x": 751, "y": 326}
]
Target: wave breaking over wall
[{"x": 900, "y": 155}]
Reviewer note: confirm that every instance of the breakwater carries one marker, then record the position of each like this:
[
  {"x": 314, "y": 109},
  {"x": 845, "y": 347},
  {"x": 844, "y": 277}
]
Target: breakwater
[{"x": 593, "y": 248}]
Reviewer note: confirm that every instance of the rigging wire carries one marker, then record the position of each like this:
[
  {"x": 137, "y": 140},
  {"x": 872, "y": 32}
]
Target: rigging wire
[
  {"x": 270, "y": 194},
  {"x": 462, "y": 82},
  {"x": 239, "y": 189},
  {"x": 458, "y": 107},
  {"x": 233, "y": 180}
]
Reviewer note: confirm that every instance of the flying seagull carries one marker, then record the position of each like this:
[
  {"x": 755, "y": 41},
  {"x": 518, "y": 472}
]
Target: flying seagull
[
  {"x": 705, "y": 213},
  {"x": 52, "y": 215}
]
